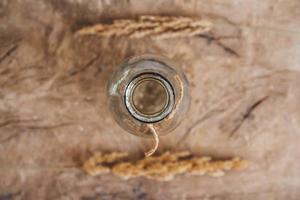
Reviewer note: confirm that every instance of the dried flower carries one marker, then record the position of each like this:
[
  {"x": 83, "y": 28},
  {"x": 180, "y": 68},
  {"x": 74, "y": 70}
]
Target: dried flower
[
  {"x": 162, "y": 168},
  {"x": 150, "y": 26}
]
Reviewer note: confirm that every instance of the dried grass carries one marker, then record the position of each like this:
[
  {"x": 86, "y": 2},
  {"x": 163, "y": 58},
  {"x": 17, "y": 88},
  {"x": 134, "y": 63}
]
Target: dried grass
[
  {"x": 150, "y": 26},
  {"x": 162, "y": 168}
]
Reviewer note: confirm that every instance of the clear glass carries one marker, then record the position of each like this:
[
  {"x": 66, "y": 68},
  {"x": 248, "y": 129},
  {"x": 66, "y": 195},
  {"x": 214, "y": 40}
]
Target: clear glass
[{"x": 148, "y": 89}]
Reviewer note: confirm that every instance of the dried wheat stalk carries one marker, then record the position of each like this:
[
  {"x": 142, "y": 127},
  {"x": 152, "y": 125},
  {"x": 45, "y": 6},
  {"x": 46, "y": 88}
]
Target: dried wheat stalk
[
  {"x": 150, "y": 26},
  {"x": 162, "y": 168}
]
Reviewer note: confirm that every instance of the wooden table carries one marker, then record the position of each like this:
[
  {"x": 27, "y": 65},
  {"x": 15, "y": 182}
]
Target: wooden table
[{"x": 245, "y": 86}]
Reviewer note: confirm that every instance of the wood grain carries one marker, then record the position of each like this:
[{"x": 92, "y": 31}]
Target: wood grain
[{"x": 244, "y": 76}]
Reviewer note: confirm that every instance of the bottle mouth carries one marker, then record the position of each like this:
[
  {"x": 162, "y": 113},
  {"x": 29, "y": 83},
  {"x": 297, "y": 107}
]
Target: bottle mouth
[{"x": 149, "y": 97}]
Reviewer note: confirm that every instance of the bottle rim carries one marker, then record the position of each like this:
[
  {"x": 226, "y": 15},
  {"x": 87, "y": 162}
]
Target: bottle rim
[{"x": 149, "y": 118}]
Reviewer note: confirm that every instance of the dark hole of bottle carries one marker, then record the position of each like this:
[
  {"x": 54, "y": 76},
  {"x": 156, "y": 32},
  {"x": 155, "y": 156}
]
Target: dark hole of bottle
[{"x": 150, "y": 97}]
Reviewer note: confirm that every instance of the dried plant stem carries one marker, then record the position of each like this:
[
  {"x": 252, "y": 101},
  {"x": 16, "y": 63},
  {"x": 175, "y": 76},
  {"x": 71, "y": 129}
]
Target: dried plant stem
[
  {"x": 156, "y": 139},
  {"x": 150, "y": 26},
  {"x": 163, "y": 167}
]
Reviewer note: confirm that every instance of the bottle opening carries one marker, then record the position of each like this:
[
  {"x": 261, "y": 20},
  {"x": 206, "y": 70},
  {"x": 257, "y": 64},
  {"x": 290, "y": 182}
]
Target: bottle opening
[{"x": 149, "y": 98}]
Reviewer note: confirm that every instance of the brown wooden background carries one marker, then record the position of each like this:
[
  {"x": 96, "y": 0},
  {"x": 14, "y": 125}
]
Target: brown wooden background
[{"x": 245, "y": 86}]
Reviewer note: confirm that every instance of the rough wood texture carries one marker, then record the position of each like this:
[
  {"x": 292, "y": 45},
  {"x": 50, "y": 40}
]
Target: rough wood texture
[{"x": 244, "y": 78}]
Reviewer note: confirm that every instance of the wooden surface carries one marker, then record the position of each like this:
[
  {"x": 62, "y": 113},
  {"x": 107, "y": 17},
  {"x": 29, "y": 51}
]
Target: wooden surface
[{"x": 245, "y": 87}]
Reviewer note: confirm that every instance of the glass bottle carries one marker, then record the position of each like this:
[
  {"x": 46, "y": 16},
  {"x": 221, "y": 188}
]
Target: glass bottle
[{"x": 148, "y": 89}]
